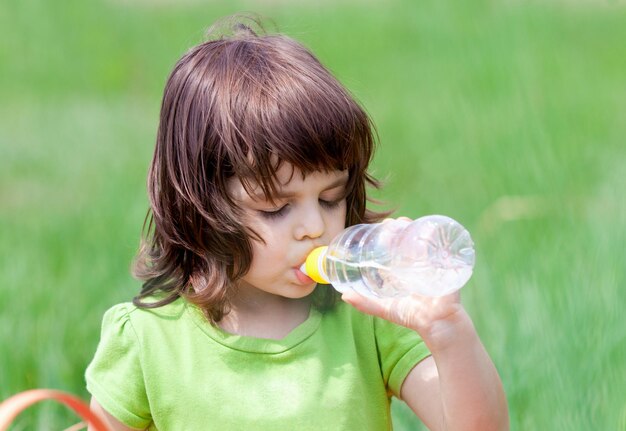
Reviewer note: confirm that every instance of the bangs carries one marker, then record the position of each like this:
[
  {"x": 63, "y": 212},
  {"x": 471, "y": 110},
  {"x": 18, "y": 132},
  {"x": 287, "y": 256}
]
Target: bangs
[{"x": 292, "y": 112}]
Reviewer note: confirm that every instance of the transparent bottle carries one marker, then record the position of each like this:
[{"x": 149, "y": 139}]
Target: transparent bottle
[{"x": 431, "y": 256}]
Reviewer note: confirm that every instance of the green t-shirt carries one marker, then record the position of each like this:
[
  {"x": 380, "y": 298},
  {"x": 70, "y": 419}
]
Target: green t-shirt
[{"x": 169, "y": 369}]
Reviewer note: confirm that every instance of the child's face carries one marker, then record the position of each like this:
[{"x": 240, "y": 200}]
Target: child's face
[{"x": 306, "y": 213}]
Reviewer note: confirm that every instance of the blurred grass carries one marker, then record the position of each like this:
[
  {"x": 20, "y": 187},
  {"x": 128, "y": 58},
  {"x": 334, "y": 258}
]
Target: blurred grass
[{"x": 508, "y": 116}]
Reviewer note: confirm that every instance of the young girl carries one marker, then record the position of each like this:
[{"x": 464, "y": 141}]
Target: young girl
[{"x": 262, "y": 156}]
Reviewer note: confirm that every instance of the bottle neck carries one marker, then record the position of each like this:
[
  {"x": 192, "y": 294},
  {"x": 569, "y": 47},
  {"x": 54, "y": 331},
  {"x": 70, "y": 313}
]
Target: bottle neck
[{"x": 315, "y": 265}]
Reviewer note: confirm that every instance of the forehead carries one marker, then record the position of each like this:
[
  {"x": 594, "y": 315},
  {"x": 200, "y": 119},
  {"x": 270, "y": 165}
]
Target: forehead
[{"x": 287, "y": 180}]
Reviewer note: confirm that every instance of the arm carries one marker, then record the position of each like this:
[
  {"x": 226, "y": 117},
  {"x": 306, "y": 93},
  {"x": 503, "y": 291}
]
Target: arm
[
  {"x": 112, "y": 423},
  {"x": 458, "y": 387}
]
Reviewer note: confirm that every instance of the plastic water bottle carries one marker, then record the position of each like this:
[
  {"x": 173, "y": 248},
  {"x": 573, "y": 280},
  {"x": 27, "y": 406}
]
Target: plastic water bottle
[{"x": 431, "y": 256}]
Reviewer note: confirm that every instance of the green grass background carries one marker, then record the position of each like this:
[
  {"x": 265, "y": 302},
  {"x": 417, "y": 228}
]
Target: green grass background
[{"x": 509, "y": 116}]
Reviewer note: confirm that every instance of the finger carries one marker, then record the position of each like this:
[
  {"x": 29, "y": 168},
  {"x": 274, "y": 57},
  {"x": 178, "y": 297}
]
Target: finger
[
  {"x": 447, "y": 298},
  {"x": 375, "y": 307}
]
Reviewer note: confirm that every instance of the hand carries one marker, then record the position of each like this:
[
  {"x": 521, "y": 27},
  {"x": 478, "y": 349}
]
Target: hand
[{"x": 436, "y": 319}]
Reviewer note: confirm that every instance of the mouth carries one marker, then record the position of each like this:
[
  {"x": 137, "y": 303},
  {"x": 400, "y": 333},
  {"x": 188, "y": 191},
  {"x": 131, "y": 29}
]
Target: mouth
[{"x": 303, "y": 278}]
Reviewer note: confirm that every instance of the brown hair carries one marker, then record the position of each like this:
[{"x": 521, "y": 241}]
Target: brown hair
[{"x": 240, "y": 105}]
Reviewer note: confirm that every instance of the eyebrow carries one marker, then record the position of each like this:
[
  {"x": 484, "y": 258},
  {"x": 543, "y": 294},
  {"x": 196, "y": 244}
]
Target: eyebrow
[{"x": 285, "y": 195}]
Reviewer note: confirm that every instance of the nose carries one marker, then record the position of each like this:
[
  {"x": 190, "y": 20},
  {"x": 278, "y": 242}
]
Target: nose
[{"x": 311, "y": 224}]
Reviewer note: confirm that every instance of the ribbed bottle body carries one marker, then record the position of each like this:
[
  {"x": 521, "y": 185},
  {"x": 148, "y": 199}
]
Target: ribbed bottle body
[{"x": 432, "y": 256}]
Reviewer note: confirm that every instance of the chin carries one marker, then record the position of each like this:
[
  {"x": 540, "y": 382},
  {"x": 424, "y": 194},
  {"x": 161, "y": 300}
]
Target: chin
[{"x": 300, "y": 292}]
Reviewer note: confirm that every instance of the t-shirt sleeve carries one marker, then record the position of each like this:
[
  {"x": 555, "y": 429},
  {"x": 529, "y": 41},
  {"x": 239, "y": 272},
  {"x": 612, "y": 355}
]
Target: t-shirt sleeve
[
  {"x": 399, "y": 350},
  {"x": 114, "y": 376}
]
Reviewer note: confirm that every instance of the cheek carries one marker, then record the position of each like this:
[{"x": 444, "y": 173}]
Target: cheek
[
  {"x": 338, "y": 221},
  {"x": 259, "y": 263},
  {"x": 267, "y": 232},
  {"x": 270, "y": 247}
]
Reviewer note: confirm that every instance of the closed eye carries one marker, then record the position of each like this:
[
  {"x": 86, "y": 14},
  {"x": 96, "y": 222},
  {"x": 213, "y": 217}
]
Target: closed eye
[
  {"x": 330, "y": 204},
  {"x": 271, "y": 214}
]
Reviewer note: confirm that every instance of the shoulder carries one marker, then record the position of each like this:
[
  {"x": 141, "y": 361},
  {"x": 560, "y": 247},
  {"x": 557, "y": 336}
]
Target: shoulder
[
  {"x": 393, "y": 342},
  {"x": 126, "y": 316}
]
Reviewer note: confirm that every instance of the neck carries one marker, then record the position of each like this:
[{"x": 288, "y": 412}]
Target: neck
[{"x": 265, "y": 316}]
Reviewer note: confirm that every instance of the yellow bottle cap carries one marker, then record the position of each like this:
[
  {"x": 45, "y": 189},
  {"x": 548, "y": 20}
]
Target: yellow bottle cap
[{"x": 314, "y": 265}]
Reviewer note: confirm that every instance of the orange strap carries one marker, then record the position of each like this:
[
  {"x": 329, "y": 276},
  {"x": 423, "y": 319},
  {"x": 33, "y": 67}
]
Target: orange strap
[{"x": 12, "y": 407}]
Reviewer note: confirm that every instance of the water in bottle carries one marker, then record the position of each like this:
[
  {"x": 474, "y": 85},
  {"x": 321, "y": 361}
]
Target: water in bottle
[{"x": 431, "y": 256}]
